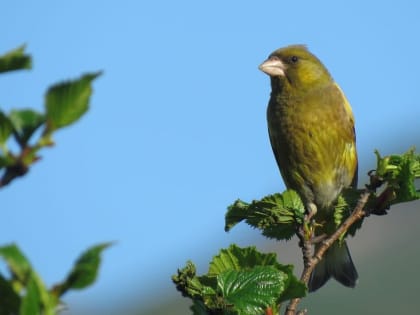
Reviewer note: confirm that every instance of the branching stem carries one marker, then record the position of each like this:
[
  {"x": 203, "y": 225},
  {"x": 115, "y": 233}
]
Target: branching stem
[{"x": 310, "y": 261}]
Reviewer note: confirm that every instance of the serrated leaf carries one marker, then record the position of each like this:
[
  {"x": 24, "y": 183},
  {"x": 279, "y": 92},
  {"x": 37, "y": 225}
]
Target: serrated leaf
[
  {"x": 15, "y": 60},
  {"x": 6, "y": 128},
  {"x": 292, "y": 201},
  {"x": 209, "y": 294},
  {"x": 275, "y": 215},
  {"x": 16, "y": 262},
  {"x": 294, "y": 289},
  {"x": 236, "y": 212},
  {"x": 25, "y": 122},
  {"x": 186, "y": 281},
  {"x": 201, "y": 289},
  {"x": 66, "y": 102},
  {"x": 85, "y": 269},
  {"x": 345, "y": 205},
  {"x": 237, "y": 258},
  {"x": 409, "y": 168},
  {"x": 400, "y": 173},
  {"x": 250, "y": 292}
]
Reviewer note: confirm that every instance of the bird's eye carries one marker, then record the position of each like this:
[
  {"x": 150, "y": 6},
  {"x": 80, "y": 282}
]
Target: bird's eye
[{"x": 294, "y": 59}]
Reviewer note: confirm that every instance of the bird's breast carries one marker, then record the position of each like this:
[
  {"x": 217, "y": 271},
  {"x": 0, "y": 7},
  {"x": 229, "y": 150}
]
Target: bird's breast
[{"x": 310, "y": 143}]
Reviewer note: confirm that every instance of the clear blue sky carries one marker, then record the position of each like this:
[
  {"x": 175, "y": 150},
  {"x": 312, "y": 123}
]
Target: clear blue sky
[{"x": 177, "y": 127}]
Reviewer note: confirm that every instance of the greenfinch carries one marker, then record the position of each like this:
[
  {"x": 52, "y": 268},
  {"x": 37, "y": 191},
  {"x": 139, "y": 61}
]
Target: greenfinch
[{"x": 311, "y": 129}]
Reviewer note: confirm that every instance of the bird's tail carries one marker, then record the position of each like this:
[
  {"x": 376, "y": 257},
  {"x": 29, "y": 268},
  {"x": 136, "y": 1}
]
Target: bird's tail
[{"x": 337, "y": 263}]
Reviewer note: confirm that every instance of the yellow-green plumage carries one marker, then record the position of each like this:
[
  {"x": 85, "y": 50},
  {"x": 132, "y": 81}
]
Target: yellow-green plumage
[{"x": 311, "y": 128}]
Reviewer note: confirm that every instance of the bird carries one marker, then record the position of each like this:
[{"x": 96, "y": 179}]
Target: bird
[{"x": 312, "y": 135}]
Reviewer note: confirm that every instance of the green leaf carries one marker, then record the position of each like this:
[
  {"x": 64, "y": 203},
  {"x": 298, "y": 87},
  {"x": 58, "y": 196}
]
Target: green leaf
[
  {"x": 404, "y": 182},
  {"x": 399, "y": 173},
  {"x": 25, "y": 122},
  {"x": 233, "y": 273},
  {"x": 15, "y": 60},
  {"x": 294, "y": 288},
  {"x": 275, "y": 215},
  {"x": 237, "y": 258},
  {"x": 66, "y": 102},
  {"x": 36, "y": 296},
  {"x": 186, "y": 281},
  {"x": 37, "y": 299},
  {"x": 248, "y": 258},
  {"x": 84, "y": 271},
  {"x": 250, "y": 292},
  {"x": 6, "y": 128},
  {"x": 48, "y": 301},
  {"x": 31, "y": 304},
  {"x": 16, "y": 262},
  {"x": 346, "y": 203}
]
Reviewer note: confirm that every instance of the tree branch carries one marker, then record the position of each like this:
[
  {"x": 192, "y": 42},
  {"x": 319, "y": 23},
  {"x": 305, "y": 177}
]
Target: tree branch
[
  {"x": 310, "y": 261},
  {"x": 12, "y": 172}
]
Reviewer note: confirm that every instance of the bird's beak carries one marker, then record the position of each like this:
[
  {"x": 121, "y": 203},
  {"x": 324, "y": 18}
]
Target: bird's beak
[{"x": 273, "y": 66}]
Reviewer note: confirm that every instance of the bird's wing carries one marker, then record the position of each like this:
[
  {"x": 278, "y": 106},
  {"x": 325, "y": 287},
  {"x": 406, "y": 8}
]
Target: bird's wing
[{"x": 352, "y": 146}]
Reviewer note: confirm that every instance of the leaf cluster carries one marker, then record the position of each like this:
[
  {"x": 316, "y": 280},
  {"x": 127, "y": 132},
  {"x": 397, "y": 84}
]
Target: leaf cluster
[
  {"x": 23, "y": 292},
  {"x": 277, "y": 215},
  {"x": 239, "y": 281},
  {"x": 244, "y": 281},
  {"x": 398, "y": 175},
  {"x": 65, "y": 103}
]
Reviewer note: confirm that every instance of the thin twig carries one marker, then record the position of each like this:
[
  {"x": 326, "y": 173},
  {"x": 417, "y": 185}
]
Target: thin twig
[{"x": 311, "y": 261}]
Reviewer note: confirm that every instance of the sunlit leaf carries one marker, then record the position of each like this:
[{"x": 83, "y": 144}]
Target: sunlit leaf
[
  {"x": 250, "y": 292},
  {"x": 275, "y": 215},
  {"x": 66, "y": 102},
  {"x": 239, "y": 281},
  {"x": 31, "y": 304},
  {"x": 16, "y": 261},
  {"x": 237, "y": 258}
]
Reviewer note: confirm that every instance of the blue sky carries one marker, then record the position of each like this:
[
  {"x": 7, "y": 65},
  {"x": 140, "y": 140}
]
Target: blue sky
[{"x": 177, "y": 129}]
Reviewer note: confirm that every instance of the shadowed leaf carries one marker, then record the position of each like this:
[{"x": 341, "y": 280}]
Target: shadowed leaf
[
  {"x": 6, "y": 128},
  {"x": 84, "y": 272},
  {"x": 15, "y": 60},
  {"x": 9, "y": 299},
  {"x": 25, "y": 122}
]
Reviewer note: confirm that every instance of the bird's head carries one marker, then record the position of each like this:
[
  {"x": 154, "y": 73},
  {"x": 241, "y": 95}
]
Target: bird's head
[{"x": 294, "y": 67}]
